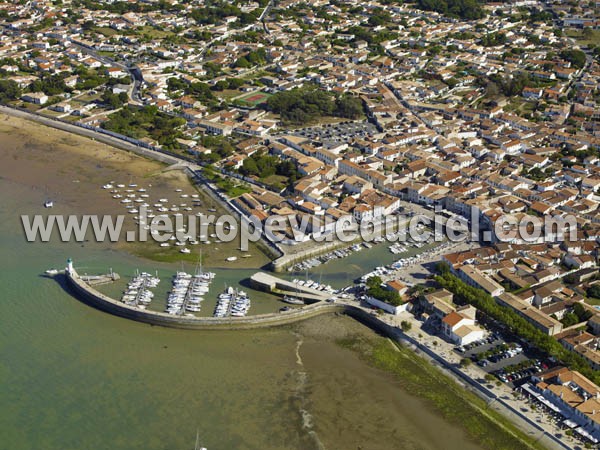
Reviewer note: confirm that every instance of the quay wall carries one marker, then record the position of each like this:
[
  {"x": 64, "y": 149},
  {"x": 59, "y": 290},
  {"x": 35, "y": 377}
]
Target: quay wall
[{"x": 98, "y": 300}]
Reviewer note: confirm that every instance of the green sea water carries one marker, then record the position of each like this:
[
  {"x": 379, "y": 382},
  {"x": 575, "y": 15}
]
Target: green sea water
[{"x": 77, "y": 378}]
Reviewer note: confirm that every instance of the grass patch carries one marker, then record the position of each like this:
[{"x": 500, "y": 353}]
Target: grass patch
[
  {"x": 106, "y": 31},
  {"x": 276, "y": 181},
  {"x": 584, "y": 37},
  {"x": 455, "y": 404},
  {"x": 592, "y": 301},
  {"x": 153, "y": 32}
]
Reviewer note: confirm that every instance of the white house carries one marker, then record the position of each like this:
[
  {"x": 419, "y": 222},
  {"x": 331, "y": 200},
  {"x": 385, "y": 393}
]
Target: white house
[
  {"x": 461, "y": 329},
  {"x": 39, "y": 98}
]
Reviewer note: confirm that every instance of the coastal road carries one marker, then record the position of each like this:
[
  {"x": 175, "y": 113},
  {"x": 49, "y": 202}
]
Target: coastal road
[{"x": 441, "y": 354}]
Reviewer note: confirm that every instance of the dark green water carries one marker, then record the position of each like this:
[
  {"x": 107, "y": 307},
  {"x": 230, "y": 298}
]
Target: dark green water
[{"x": 76, "y": 378}]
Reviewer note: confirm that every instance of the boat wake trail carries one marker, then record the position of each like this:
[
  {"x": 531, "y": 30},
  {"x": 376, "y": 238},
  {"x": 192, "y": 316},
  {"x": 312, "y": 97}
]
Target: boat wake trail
[{"x": 302, "y": 397}]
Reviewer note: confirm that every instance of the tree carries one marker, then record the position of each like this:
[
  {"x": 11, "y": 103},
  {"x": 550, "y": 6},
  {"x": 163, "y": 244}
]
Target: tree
[
  {"x": 464, "y": 9},
  {"x": 575, "y": 57},
  {"x": 301, "y": 105},
  {"x": 249, "y": 167},
  {"x": 570, "y": 319},
  {"x": 348, "y": 106},
  {"x": 581, "y": 313},
  {"x": 243, "y": 63},
  {"x": 594, "y": 291},
  {"x": 405, "y": 325},
  {"x": 9, "y": 90},
  {"x": 493, "y": 39},
  {"x": 221, "y": 85},
  {"x": 376, "y": 291},
  {"x": 112, "y": 100}
]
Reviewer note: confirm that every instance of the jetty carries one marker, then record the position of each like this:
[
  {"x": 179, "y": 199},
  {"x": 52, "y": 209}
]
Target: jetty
[
  {"x": 91, "y": 296},
  {"x": 95, "y": 280},
  {"x": 265, "y": 282}
]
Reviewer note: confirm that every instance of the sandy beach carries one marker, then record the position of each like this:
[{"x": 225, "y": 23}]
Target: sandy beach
[{"x": 71, "y": 170}]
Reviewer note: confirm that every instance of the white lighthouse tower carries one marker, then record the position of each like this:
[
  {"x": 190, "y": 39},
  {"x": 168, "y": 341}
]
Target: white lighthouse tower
[{"x": 69, "y": 266}]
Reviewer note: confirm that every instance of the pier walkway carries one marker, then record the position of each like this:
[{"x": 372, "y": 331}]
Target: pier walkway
[{"x": 265, "y": 282}]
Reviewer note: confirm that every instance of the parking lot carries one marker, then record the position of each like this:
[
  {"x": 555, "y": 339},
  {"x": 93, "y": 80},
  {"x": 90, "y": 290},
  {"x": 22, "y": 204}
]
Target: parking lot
[
  {"x": 504, "y": 358},
  {"x": 333, "y": 134}
]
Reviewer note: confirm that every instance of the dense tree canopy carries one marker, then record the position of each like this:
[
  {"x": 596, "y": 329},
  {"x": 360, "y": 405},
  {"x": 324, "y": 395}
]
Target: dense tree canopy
[
  {"x": 114, "y": 101},
  {"x": 375, "y": 290},
  {"x": 302, "y": 105},
  {"x": 146, "y": 122},
  {"x": 49, "y": 85},
  {"x": 594, "y": 291},
  {"x": 263, "y": 165},
  {"x": 464, "y": 9},
  {"x": 215, "y": 10},
  {"x": 9, "y": 90},
  {"x": 575, "y": 57},
  {"x": 199, "y": 90}
]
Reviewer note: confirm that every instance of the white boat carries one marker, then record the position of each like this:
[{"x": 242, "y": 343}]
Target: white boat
[
  {"x": 185, "y": 250},
  {"x": 51, "y": 272},
  {"x": 48, "y": 204},
  {"x": 231, "y": 258},
  {"x": 164, "y": 244},
  {"x": 107, "y": 186}
]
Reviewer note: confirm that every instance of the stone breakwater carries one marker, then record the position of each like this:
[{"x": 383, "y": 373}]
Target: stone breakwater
[{"x": 92, "y": 297}]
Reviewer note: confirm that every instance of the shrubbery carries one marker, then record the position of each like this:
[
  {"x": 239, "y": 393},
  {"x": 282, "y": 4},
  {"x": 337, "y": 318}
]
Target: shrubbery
[{"x": 375, "y": 290}]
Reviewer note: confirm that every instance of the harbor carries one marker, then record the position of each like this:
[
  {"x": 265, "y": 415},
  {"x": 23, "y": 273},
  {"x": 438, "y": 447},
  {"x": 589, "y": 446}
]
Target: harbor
[
  {"x": 104, "y": 358},
  {"x": 187, "y": 293},
  {"x": 91, "y": 296}
]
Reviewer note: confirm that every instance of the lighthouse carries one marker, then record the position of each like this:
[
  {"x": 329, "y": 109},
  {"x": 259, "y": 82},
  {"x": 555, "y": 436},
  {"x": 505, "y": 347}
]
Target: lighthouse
[{"x": 69, "y": 266}]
